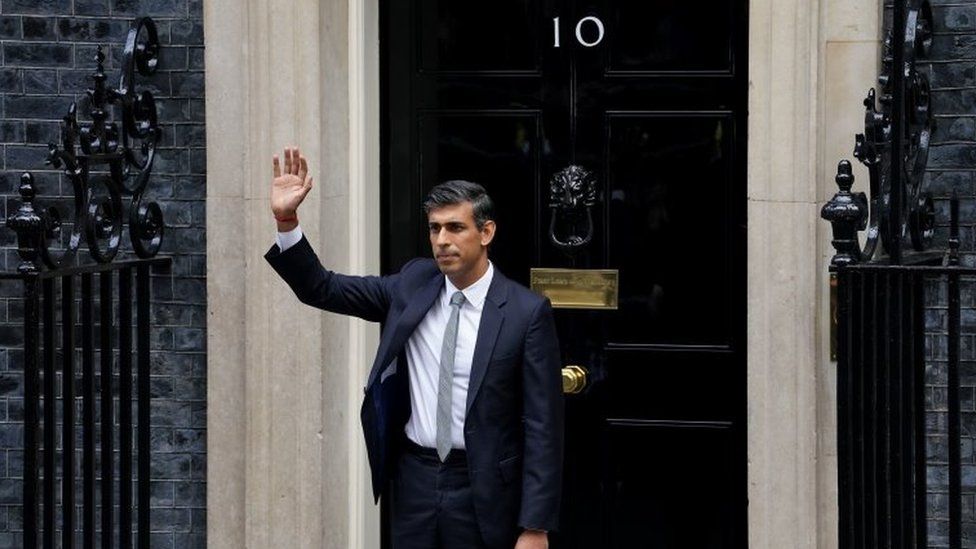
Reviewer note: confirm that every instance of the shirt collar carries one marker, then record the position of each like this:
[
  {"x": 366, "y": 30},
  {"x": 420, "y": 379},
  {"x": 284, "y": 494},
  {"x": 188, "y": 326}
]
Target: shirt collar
[{"x": 474, "y": 294}]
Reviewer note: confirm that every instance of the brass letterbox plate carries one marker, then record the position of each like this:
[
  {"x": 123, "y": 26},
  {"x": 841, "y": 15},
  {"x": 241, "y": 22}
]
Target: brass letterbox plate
[{"x": 577, "y": 288}]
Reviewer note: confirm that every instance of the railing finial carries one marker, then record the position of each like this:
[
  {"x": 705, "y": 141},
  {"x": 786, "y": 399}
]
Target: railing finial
[
  {"x": 847, "y": 213},
  {"x": 894, "y": 146},
  {"x": 28, "y": 225}
]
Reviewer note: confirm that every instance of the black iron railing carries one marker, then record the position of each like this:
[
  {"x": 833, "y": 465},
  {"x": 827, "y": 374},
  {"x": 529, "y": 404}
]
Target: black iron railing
[
  {"x": 104, "y": 161},
  {"x": 883, "y": 287},
  {"x": 881, "y": 437},
  {"x": 881, "y": 388},
  {"x": 107, "y": 307}
]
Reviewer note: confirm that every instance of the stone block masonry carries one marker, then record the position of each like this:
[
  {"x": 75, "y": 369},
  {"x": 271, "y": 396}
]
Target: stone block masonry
[{"x": 47, "y": 49}]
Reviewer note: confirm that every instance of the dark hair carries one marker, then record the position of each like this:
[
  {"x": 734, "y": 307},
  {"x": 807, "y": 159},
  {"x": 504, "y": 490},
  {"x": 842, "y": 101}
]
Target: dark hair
[{"x": 457, "y": 191}]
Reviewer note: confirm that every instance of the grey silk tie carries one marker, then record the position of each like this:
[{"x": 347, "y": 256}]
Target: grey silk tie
[{"x": 445, "y": 382}]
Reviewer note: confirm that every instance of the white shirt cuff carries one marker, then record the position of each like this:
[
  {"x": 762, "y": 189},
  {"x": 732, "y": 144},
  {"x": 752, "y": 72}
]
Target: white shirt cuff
[{"x": 288, "y": 239}]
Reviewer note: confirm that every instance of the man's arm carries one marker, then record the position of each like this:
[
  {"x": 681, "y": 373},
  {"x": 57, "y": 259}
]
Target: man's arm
[
  {"x": 294, "y": 260},
  {"x": 542, "y": 469},
  {"x": 367, "y": 297}
]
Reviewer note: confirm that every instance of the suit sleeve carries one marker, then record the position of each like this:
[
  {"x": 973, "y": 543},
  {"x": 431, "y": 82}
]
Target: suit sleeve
[
  {"x": 542, "y": 471},
  {"x": 367, "y": 297}
]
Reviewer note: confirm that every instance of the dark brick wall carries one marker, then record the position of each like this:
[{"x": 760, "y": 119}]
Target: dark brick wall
[
  {"x": 952, "y": 168},
  {"x": 47, "y": 47}
]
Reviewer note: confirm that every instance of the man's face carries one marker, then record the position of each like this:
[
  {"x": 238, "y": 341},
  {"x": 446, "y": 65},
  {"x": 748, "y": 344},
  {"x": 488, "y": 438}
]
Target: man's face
[{"x": 457, "y": 244}]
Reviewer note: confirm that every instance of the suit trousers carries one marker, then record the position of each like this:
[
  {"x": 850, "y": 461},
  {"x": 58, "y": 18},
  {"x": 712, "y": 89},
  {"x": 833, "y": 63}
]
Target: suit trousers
[{"x": 431, "y": 506}]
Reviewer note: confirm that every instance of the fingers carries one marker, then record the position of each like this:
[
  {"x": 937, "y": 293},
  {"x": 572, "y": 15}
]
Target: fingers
[
  {"x": 295, "y": 163},
  {"x": 304, "y": 190},
  {"x": 302, "y": 168},
  {"x": 307, "y": 187}
]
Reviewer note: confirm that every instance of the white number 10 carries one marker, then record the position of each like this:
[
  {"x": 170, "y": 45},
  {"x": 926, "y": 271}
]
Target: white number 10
[{"x": 579, "y": 31}]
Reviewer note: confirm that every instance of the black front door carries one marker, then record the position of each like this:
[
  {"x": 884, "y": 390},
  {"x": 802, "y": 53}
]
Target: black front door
[{"x": 650, "y": 99}]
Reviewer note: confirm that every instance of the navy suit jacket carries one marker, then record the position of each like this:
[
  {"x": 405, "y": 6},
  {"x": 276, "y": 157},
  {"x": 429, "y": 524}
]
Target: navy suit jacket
[{"x": 513, "y": 430}]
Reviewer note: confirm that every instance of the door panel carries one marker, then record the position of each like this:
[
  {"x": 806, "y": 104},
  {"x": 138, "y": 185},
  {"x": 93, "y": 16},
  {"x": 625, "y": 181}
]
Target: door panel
[
  {"x": 670, "y": 484},
  {"x": 668, "y": 36},
  {"x": 656, "y": 111},
  {"x": 670, "y": 184},
  {"x": 682, "y": 383},
  {"x": 476, "y": 36}
]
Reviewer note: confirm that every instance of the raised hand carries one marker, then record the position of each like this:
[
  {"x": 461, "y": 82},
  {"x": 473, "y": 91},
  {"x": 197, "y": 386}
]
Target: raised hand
[{"x": 289, "y": 188}]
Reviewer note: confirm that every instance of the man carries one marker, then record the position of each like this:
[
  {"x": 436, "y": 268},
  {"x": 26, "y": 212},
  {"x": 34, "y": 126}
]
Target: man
[{"x": 463, "y": 409}]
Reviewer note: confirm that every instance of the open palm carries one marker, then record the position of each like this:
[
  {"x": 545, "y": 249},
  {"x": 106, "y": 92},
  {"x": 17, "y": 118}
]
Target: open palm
[{"x": 290, "y": 186}]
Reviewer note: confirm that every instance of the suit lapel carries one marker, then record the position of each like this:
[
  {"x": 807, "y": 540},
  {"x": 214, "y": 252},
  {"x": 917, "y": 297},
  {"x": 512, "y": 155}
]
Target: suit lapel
[
  {"x": 407, "y": 323},
  {"x": 492, "y": 317}
]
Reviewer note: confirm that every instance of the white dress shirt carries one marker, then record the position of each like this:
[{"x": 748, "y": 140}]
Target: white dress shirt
[
  {"x": 424, "y": 359},
  {"x": 424, "y": 355},
  {"x": 289, "y": 238}
]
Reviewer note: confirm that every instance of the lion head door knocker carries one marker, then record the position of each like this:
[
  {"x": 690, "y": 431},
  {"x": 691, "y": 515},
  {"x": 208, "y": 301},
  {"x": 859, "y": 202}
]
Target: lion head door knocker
[{"x": 572, "y": 195}]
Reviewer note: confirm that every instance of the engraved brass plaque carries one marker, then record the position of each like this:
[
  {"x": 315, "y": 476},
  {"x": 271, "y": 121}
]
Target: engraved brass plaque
[{"x": 577, "y": 288}]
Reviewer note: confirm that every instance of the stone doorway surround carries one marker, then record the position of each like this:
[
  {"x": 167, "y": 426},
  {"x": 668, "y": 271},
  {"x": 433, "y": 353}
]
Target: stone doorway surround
[
  {"x": 811, "y": 63},
  {"x": 287, "y": 467},
  {"x": 286, "y": 464}
]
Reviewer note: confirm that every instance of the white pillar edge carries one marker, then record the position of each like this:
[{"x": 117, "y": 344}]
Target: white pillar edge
[{"x": 364, "y": 245}]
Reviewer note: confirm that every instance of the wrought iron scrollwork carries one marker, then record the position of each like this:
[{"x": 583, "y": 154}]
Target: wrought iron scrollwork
[
  {"x": 102, "y": 154},
  {"x": 874, "y": 149},
  {"x": 572, "y": 195}
]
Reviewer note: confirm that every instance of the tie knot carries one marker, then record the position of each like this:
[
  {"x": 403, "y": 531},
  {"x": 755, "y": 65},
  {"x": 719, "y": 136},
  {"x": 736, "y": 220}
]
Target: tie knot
[{"x": 457, "y": 298}]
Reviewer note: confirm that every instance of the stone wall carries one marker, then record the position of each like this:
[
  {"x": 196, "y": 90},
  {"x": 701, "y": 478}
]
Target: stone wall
[{"x": 48, "y": 48}]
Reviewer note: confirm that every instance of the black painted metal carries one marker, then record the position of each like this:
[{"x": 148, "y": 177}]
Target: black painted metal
[
  {"x": 124, "y": 152},
  {"x": 88, "y": 411},
  {"x": 881, "y": 398},
  {"x": 68, "y": 411},
  {"x": 142, "y": 396},
  {"x": 572, "y": 196},
  {"x": 85, "y": 148},
  {"x": 845, "y": 385},
  {"x": 107, "y": 415},
  {"x": 50, "y": 411},
  {"x": 881, "y": 304},
  {"x": 879, "y": 424},
  {"x": 897, "y": 118},
  {"x": 897, "y": 106},
  {"x": 879, "y": 392},
  {"x": 41, "y": 300},
  {"x": 125, "y": 408}
]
